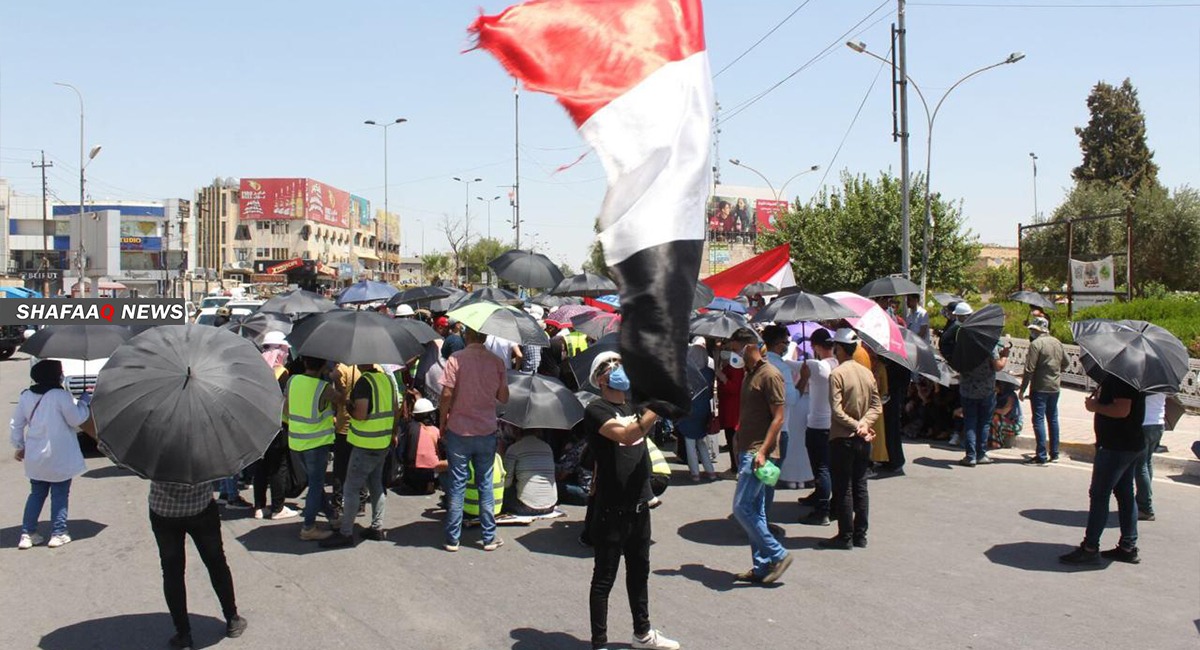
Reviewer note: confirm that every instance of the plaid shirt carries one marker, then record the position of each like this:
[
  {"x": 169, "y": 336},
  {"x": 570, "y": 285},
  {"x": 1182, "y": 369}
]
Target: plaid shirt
[
  {"x": 532, "y": 358},
  {"x": 176, "y": 500}
]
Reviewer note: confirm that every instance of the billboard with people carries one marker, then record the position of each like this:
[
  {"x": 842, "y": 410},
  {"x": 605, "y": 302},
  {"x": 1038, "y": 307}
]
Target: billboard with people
[{"x": 737, "y": 214}]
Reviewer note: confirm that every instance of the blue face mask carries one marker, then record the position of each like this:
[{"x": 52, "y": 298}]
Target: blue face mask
[{"x": 618, "y": 380}]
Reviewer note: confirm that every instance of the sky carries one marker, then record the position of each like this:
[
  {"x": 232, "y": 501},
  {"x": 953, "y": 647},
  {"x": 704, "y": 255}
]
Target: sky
[{"x": 181, "y": 93}]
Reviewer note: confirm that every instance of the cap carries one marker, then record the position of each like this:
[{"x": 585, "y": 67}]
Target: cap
[
  {"x": 1039, "y": 324},
  {"x": 275, "y": 337},
  {"x": 600, "y": 362},
  {"x": 699, "y": 340},
  {"x": 441, "y": 321},
  {"x": 404, "y": 310},
  {"x": 423, "y": 406},
  {"x": 963, "y": 309},
  {"x": 845, "y": 335}
]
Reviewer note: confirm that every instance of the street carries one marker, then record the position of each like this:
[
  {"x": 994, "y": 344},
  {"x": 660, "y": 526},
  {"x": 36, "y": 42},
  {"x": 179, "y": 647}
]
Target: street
[{"x": 958, "y": 558}]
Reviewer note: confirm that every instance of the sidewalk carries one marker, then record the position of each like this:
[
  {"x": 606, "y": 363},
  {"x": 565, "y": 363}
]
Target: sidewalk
[{"x": 1077, "y": 439}]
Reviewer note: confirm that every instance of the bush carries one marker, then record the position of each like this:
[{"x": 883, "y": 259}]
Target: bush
[{"x": 1179, "y": 315}]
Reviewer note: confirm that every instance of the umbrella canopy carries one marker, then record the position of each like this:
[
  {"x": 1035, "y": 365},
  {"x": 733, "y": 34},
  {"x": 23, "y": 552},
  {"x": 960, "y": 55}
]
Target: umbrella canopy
[
  {"x": 873, "y": 322},
  {"x": 585, "y": 284},
  {"x": 354, "y": 337},
  {"x": 540, "y": 402},
  {"x": 186, "y": 404},
  {"x": 564, "y": 315},
  {"x": 922, "y": 358},
  {"x": 76, "y": 341},
  {"x": 1141, "y": 354},
  {"x": 1033, "y": 298},
  {"x": 718, "y": 325},
  {"x": 1008, "y": 378},
  {"x": 803, "y": 306},
  {"x": 977, "y": 338},
  {"x": 702, "y": 296},
  {"x": 419, "y": 296},
  {"x": 487, "y": 294},
  {"x": 759, "y": 289},
  {"x": 256, "y": 326},
  {"x": 892, "y": 285},
  {"x": 297, "y": 302},
  {"x": 503, "y": 321},
  {"x": 366, "y": 291},
  {"x": 581, "y": 365},
  {"x": 527, "y": 269},
  {"x": 597, "y": 324},
  {"x": 420, "y": 330},
  {"x": 947, "y": 299},
  {"x": 726, "y": 304},
  {"x": 551, "y": 301}
]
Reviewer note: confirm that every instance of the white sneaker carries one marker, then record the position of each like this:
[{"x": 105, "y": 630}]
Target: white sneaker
[
  {"x": 285, "y": 513},
  {"x": 59, "y": 540},
  {"x": 29, "y": 541},
  {"x": 261, "y": 513},
  {"x": 655, "y": 641},
  {"x": 955, "y": 441}
]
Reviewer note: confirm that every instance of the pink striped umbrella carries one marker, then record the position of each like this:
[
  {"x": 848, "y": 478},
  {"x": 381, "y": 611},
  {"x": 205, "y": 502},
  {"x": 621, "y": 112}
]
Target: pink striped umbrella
[
  {"x": 564, "y": 314},
  {"x": 874, "y": 323}
]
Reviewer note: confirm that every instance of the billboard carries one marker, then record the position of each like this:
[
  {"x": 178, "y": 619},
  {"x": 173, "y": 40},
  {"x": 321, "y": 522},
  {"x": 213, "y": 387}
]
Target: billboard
[
  {"x": 146, "y": 244},
  {"x": 736, "y": 214},
  {"x": 1092, "y": 282},
  {"x": 360, "y": 211},
  {"x": 138, "y": 228},
  {"x": 293, "y": 198}
]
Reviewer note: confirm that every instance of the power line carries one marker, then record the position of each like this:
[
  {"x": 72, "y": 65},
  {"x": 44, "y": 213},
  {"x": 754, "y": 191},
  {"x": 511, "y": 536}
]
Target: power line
[
  {"x": 1123, "y": 5},
  {"x": 764, "y": 37},
  {"x": 845, "y": 136}
]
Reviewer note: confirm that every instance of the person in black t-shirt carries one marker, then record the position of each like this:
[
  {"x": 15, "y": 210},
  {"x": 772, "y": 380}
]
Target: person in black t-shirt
[
  {"x": 1119, "y": 410},
  {"x": 620, "y": 513}
]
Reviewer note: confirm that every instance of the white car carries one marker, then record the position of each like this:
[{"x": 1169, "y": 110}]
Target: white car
[
  {"x": 213, "y": 301},
  {"x": 207, "y": 315}
]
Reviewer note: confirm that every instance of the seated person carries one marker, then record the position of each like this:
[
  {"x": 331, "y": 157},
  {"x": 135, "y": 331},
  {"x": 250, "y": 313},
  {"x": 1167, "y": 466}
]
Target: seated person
[
  {"x": 425, "y": 455},
  {"x": 573, "y": 472},
  {"x": 530, "y": 482},
  {"x": 1006, "y": 419}
]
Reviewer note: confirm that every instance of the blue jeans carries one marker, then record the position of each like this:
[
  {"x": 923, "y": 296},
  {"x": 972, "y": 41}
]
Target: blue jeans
[
  {"x": 750, "y": 510},
  {"x": 1045, "y": 415},
  {"x": 1144, "y": 473},
  {"x": 365, "y": 468},
  {"x": 1112, "y": 474},
  {"x": 977, "y": 424},
  {"x": 770, "y": 491},
  {"x": 58, "y": 493},
  {"x": 480, "y": 453},
  {"x": 228, "y": 488},
  {"x": 316, "y": 461}
]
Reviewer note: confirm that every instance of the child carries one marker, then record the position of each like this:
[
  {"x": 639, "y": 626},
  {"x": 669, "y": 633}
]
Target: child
[{"x": 1006, "y": 419}]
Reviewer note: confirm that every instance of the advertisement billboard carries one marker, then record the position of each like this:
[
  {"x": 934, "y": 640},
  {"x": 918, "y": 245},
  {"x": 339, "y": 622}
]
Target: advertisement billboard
[
  {"x": 1092, "y": 283},
  {"x": 145, "y": 244},
  {"x": 360, "y": 211},
  {"x": 765, "y": 211},
  {"x": 293, "y": 198},
  {"x": 327, "y": 204},
  {"x": 736, "y": 214},
  {"x": 138, "y": 228}
]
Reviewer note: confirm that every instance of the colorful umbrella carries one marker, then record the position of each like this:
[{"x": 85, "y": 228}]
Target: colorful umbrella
[
  {"x": 873, "y": 322},
  {"x": 563, "y": 315},
  {"x": 597, "y": 324},
  {"x": 366, "y": 291},
  {"x": 503, "y": 321}
]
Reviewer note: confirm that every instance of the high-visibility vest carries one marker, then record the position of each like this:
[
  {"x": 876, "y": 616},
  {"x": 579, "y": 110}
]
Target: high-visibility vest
[
  {"x": 658, "y": 462},
  {"x": 375, "y": 432},
  {"x": 471, "y": 498},
  {"x": 309, "y": 426},
  {"x": 576, "y": 343}
]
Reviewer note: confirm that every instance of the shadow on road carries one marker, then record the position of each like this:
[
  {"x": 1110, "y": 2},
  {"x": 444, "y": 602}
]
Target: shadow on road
[
  {"x": 1069, "y": 518},
  {"x": 717, "y": 532},
  {"x": 714, "y": 579},
  {"x": 131, "y": 631},
  {"x": 79, "y": 529},
  {"x": 936, "y": 463},
  {"x": 527, "y": 638},
  {"x": 110, "y": 471},
  {"x": 421, "y": 533},
  {"x": 1035, "y": 556},
  {"x": 277, "y": 538},
  {"x": 559, "y": 538}
]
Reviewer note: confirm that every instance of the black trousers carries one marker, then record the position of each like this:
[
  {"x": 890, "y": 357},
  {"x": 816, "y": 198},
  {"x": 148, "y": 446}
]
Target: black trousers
[
  {"x": 899, "y": 378},
  {"x": 617, "y": 533},
  {"x": 266, "y": 473},
  {"x": 848, "y": 460},
  {"x": 205, "y": 530}
]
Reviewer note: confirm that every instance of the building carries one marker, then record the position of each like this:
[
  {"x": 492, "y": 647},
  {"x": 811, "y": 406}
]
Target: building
[
  {"x": 992, "y": 256},
  {"x": 134, "y": 246},
  {"x": 410, "y": 271},
  {"x": 32, "y": 253}
]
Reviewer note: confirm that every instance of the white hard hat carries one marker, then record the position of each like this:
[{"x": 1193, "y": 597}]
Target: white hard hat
[
  {"x": 423, "y": 406},
  {"x": 275, "y": 337},
  {"x": 600, "y": 362},
  {"x": 536, "y": 311},
  {"x": 963, "y": 309},
  {"x": 845, "y": 335},
  {"x": 404, "y": 310}
]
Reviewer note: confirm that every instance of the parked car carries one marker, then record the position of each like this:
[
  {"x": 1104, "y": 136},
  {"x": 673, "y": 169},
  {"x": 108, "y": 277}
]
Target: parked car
[
  {"x": 11, "y": 337},
  {"x": 207, "y": 315}
]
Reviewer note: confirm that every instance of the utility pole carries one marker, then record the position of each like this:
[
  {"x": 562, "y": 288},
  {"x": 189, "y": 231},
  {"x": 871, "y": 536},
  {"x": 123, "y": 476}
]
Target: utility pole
[
  {"x": 45, "y": 222},
  {"x": 905, "y": 216},
  {"x": 517, "y": 157},
  {"x": 1033, "y": 159}
]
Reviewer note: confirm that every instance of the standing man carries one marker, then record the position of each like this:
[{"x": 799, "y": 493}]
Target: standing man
[
  {"x": 472, "y": 385},
  {"x": 815, "y": 378},
  {"x": 763, "y": 409},
  {"x": 308, "y": 407},
  {"x": 1044, "y": 362},
  {"x": 1120, "y": 444},
  {"x": 855, "y": 406},
  {"x": 776, "y": 339},
  {"x": 917, "y": 319},
  {"x": 1152, "y": 429},
  {"x": 977, "y": 393},
  {"x": 620, "y": 512},
  {"x": 372, "y": 436}
]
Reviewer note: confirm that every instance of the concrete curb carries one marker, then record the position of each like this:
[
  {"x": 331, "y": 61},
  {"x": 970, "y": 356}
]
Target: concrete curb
[{"x": 1085, "y": 452}]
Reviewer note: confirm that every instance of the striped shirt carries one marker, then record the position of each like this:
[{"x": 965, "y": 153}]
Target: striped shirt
[{"x": 529, "y": 463}]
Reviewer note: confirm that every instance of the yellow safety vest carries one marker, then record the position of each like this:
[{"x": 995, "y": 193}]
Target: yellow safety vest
[
  {"x": 375, "y": 432},
  {"x": 658, "y": 462},
  {"x": 471, "y": 498},
  {"x": 309, "y": 427},
  {"x": 576, "y": 343}
]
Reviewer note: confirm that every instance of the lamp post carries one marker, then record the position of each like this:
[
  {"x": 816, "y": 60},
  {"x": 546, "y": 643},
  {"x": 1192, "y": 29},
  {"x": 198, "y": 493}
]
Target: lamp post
[
  {"x": 384, "y": 126},
  {"x": 467, "y": 218},
  {"x": 783, "y": 187},
  {"x": 489, "y": 205},
  {"x": 1033, "y": 159},
  {"x": 82, "y": 165},
  {"x": 930, "y": 117}
]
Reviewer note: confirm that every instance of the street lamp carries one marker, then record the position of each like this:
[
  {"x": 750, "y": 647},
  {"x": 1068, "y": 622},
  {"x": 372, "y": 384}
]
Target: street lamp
[
  {"x": 384, "y": 126},
  {"x": 82, "y": 165},
  {"x": 930, "y": 116},
  {"x": 489, "y": 205},
  {"x": 1033, "y": 159},
  {"x": 467, "y": 218},
  {"x": 783, "y": 187}
]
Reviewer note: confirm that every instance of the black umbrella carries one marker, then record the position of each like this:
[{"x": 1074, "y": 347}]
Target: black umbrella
[
  {"x": 76, "y": 341},
  {"x": 1033, "y": 298},
  {"x": 585, "y": 284},
  {"x": 540, "y": 402},
  {"x": 487, "y": 294},
  {"x": 420, "y": 330},
  {"x": 1008, "y": 378},
  {"x": 366, "y": 291},
  {"x": 297, "y": 302},
  {"x": 186, "y": 404},
  {"x": 922, "y": 359},
  {"x": 702, "y": 296},
  {"x": 419, "y": 296},
  {"x": 803, "y": 307},
  {"x": 892, "y": 285},
  {"x": 597, "y": 324},
  {"x": 759, "y": 289},
  {"x": 1141, "y": 354},
  {"x": 977, "y": 338},
  {"x": 527, "y": 269},
  {"x": 718, "y": 324},
  {"x": 947, "y": 299},
  {"x": 503, "y": 321},
  {"x": 354, "y": 337},
  {"x": 551, "y": 301},
  {"x": 256, "y": 326},
  {"x": 581, "y": 365}
]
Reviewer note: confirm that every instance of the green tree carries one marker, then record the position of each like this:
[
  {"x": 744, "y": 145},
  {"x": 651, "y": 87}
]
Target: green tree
[
  {"x": 435, "y": 266},
  {"x": 1114, "y": 140},
  {"x": 567, "y": 269},
  {"x": 595, "y": 260},
  {"x": 846, "y": 237},
  {"x": 479, "y": 253}
]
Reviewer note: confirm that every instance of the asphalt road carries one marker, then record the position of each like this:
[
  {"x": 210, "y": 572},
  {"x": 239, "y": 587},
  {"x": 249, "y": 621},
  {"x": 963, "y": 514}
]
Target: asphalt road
[{"x": 958, "y": 558}]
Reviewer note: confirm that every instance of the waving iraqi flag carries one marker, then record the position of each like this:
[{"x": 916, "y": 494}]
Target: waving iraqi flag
[{"x": 634, "y": 76}]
